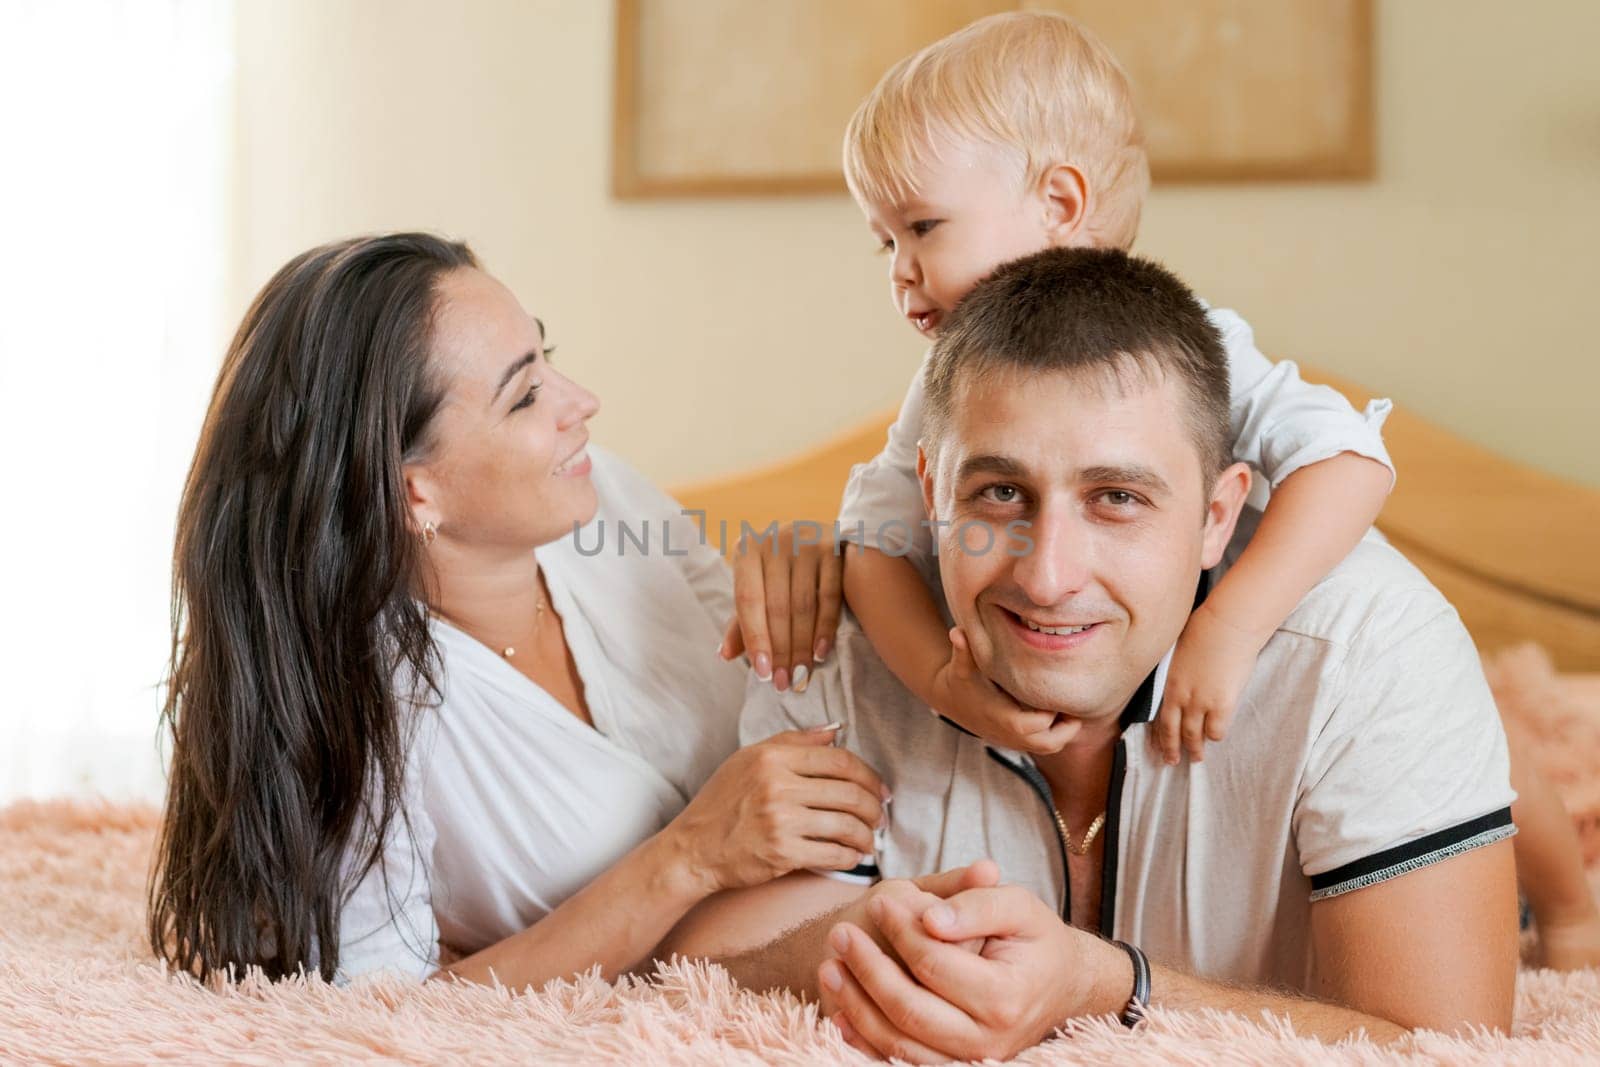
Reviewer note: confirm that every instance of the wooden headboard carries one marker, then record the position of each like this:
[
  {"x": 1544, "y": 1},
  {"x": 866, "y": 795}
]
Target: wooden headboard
[{"x": 1513, "y": 548}]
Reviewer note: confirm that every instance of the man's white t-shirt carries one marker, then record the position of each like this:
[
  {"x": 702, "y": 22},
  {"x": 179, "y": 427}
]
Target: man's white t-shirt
[{"x": 1365, "y": 745}]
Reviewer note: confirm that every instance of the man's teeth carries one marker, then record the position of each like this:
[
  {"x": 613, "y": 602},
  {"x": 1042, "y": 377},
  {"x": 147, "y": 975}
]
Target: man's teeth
[{"x": 1057, "y": 630}]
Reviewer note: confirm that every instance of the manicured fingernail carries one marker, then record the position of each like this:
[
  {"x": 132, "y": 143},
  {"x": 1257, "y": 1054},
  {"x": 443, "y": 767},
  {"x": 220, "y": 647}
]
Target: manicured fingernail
[
  {"x": 826, "y": 727},
  {"x": 763, "y": 666},
  {"x": 840, "y": 940},
  {"x": 780, "y": 679},
  {"x": 830, "y": 976},
  {"x": 875, "y": 908},
  {"x": 867, "y": 859},
  {"x": 802, "y": 678},
  {"x": 940, "y": 916},
  {"x": 884, "y": 795},
  {"x": 720, "y": 653},
  {"x": 820, "y": 652},
  {"x": 846, "y": 1031}
]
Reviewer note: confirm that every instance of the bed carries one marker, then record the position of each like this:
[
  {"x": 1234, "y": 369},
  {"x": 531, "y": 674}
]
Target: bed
[{"x": 1511, "y": 546}]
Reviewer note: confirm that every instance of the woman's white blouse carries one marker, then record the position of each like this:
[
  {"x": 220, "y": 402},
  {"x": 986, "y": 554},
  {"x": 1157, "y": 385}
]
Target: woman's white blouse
[{"x": 511, "y": 803}]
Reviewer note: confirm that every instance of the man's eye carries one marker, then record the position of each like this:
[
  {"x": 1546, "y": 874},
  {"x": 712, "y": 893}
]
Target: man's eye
[
  {"x": 1002, "y": 494},
  {"x": 1119, "y": 498}
]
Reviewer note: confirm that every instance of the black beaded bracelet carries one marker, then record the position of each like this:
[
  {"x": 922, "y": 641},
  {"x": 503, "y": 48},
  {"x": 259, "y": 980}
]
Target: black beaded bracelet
[{"x": 1139, "y": 999}]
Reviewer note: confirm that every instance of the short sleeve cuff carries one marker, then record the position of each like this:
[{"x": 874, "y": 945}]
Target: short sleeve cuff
[
  {"x": 1314, "y": 445},
  {"x": 1414, "y": 855}
]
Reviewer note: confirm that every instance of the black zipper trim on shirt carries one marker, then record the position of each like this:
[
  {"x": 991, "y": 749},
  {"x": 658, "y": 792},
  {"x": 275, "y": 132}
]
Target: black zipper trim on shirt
[
  {"x": 1108, "y": 869},
  {"x": 1032, "y": 775}
]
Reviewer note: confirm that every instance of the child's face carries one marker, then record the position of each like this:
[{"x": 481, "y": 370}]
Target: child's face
[{"x": 971, "y": 213}]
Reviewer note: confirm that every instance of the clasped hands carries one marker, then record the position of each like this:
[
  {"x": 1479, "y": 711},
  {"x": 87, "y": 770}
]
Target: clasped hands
[{"x": 957, "y": 966}]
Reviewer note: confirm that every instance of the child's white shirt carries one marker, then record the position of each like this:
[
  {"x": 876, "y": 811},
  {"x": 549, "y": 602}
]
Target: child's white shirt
[{"x": 1281, "y": 423}]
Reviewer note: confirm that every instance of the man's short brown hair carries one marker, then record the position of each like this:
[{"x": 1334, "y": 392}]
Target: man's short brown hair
[{"x": 1086, "y": 310}]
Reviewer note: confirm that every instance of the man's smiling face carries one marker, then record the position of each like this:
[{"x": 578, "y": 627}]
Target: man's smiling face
[{"x": 1103, "y": 467}]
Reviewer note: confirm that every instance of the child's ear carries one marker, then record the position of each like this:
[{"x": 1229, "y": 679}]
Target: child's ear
[
  {"x": 1066, "y": 196},
  {"x": 1222, "y": 512}
]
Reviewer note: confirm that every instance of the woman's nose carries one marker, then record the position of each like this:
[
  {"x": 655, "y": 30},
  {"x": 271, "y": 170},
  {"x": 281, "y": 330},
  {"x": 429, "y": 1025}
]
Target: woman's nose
[{"x": 577, "y": 404}]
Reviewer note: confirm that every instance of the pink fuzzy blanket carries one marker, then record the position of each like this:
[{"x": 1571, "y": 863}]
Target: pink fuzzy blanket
[{"x": 77, "y": 984}]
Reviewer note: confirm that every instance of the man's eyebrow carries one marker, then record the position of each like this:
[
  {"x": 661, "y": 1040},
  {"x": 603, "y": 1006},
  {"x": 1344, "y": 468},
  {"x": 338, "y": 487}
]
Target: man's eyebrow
[
  {"x": 519, "y": 363},
  {"x": 1132, "y": 474},
  {"x": 990, "y": 463}
]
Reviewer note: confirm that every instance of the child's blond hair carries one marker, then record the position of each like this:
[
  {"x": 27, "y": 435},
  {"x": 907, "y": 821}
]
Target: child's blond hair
[{"x": 1037, "y": 83}]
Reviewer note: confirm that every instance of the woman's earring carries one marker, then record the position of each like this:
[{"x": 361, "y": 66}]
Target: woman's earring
[{"x": 429, "y": 532}]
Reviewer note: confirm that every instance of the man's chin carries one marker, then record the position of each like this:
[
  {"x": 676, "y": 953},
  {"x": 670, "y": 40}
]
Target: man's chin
[{"x": 1064, "y": 696}]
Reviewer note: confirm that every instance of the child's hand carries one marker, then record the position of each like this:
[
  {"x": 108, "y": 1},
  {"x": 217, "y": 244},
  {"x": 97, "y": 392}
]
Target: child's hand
[
  {"x": 964, "y": 695},
  {"x": 1209, "y": 670},
  {"x": 787, "y": 597}
]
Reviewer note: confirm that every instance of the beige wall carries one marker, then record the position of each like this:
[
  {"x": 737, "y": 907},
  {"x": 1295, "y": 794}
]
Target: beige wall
[{"x": 1462, "y": 281}]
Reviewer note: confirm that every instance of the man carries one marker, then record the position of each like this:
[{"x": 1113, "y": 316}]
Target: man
[{"x": 1349, "y": 842}]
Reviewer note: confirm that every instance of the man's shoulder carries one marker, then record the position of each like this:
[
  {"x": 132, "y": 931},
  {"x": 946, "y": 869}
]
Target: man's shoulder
[
  {"x": 853, "y": 686},
  {"x": 1372, "y": 625},
  {"x": 1374, "y": 593}
]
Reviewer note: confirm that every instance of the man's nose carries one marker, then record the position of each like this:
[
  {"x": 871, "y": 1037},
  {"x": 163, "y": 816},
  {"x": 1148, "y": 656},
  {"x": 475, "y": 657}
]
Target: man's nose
[{"x": 1059, "y": 562}]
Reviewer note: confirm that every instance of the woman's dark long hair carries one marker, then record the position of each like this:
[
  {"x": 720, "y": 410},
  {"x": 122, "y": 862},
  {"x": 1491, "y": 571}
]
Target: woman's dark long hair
[{"x": 293, "y": 610}]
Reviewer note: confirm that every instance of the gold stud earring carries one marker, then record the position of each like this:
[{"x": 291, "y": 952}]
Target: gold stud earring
[{"x": 429, "y": 532}]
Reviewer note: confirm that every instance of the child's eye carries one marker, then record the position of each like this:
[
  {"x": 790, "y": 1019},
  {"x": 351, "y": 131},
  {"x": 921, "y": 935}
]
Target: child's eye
[
  {"x": 886, "y": 246},
  {"x": 529, "y": 397},
  {"x": 923, "y": 227}
]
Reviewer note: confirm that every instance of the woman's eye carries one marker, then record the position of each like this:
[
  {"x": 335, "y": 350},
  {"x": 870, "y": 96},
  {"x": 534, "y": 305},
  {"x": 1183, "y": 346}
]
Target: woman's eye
[
  {"x": 548, "y": 351},
  {"x": 529, "y": 397}
]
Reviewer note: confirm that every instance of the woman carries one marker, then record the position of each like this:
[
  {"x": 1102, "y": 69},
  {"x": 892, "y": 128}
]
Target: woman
[{"x": 411, "y": 707}]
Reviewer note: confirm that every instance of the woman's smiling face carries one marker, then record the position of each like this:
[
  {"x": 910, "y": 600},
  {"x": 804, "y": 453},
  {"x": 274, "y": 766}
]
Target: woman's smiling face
[{"x": 509, "y": 467}]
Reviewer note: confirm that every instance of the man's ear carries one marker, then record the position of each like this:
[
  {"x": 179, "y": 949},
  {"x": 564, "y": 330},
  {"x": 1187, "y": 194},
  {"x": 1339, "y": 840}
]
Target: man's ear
[
  {"x": 1222, "y": 512},
  {"x": 925, "y": 476},
  {"x": 1067, "y": 200}
]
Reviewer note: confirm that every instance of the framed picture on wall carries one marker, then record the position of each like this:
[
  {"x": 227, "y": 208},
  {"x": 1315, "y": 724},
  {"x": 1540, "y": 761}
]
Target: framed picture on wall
[{"x": 733, "y": 97}]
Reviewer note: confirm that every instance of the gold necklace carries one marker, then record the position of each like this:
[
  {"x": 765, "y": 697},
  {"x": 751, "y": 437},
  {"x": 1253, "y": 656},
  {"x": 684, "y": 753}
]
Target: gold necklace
[
  {"x": 508, "y": 651},
  {"x": 538, "y": 617},
  {"x": 1082, "y": 848}
]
